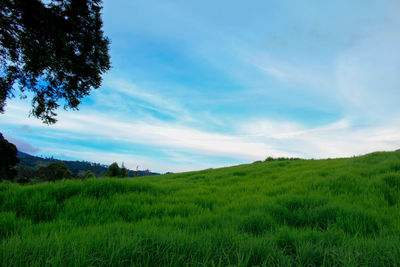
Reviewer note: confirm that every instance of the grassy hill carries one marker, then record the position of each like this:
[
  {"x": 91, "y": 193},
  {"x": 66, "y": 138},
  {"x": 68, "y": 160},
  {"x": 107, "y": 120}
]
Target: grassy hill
[{"x": 289, "y": 212}]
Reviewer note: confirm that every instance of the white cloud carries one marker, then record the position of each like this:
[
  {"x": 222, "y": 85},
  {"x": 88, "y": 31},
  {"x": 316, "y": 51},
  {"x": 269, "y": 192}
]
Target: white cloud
[
  {"x": 252, "y": 140},
  {"x": 131, "y": 90},
  {"x": 287, "y": 72},
  {"x": 155, "y": 133},
  {"x": 22, "y": 145},
  {"x": 339, "y": 139}
]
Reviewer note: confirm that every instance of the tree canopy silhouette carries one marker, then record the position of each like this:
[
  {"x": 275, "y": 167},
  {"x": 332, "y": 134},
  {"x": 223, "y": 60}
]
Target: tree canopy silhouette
[
  {"x": 8, "y": 159},
  {"x": 54, "y": 171},
  {"x": 115, "y": 171},
  {"x": 55, "y": 49}
]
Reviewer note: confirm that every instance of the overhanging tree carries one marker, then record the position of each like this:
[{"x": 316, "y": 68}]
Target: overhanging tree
[{"x": 55, "y": 49}]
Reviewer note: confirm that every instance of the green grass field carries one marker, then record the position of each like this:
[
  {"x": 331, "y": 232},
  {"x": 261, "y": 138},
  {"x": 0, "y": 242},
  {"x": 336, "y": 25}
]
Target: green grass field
[{"x": 342, "y": 212}]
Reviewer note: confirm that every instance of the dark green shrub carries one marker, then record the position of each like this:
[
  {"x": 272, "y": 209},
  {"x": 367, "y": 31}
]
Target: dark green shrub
[
  {"x": 26, "y": 174},
  {"x": 115, "y": 171},
  {"x": 54, "y": 171}
]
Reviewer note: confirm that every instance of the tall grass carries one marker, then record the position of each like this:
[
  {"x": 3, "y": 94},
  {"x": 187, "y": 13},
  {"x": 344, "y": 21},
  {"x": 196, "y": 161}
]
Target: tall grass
[{"x": 274, "y": 213}]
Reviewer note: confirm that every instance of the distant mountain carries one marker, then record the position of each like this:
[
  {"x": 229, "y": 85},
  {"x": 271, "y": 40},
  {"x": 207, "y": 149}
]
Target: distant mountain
[{"x": 75, "y": 166}]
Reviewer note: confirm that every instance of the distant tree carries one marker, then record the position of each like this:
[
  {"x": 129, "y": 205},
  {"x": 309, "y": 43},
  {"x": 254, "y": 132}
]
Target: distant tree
[
  {"x": 279, "y": 159},
  {"x": 113, "y": 170},
  {"x": 55, "y": 49},
  {"x": 124, "y": 171},
  {"x": 137, "y": 171},
  {"x": 269, "y": 159},
  {"x": 8, "y": 159},
  {"x": 54, "y": 171}
]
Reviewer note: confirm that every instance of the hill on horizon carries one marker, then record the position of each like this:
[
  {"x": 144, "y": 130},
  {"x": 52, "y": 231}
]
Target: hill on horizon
[{"x": 75, "y": 167}]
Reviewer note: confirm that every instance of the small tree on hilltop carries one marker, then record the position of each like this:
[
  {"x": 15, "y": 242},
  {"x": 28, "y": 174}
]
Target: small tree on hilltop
[{"x": 54, "y": 171}]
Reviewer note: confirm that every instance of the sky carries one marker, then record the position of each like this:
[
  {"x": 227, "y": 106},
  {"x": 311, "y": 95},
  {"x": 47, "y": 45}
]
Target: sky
[{"x": 206, "y": 84}]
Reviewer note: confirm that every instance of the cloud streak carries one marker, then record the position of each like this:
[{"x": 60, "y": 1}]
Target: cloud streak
[
  {"x": 23, "y": 145},
  {"x": 252, "y": 140}
]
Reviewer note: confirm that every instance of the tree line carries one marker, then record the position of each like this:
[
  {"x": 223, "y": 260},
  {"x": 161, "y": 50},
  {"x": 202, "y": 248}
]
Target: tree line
[
  {"x": 30, "y": 169},
  {"x": 76, "y": 167}
]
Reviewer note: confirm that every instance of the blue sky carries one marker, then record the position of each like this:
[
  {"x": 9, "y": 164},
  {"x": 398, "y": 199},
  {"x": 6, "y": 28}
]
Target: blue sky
[{"x": 204, "y": 84}]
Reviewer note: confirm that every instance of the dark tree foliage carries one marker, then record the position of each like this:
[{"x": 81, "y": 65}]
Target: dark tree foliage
[
  {"x": 115, "y": 171},
  {"x": 124, "y": 172},
  {"x": 8, "y": 159},
  {"x": 55, "y": 49},
  {"x": 54, "y": 171},
  {"x": 26, "y": 174}
]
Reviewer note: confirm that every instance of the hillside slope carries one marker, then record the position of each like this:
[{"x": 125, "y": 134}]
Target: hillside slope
[{"x": 293, "y": 212}]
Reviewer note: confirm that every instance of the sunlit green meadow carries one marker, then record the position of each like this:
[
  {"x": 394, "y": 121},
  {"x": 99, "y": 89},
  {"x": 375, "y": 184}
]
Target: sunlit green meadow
[{"x": 333, "y": 212}]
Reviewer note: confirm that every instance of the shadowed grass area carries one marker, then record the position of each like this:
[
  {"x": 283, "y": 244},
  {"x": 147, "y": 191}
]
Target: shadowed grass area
[{"x": 274, "y": 213}]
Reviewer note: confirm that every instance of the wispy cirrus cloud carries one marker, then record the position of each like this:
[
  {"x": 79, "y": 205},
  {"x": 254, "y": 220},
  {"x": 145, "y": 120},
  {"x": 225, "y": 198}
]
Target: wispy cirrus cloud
[
  {"x": 339, "y": 139},
  {"x": 23, "y": 145},
  {"x": 189, "y": 147}
]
